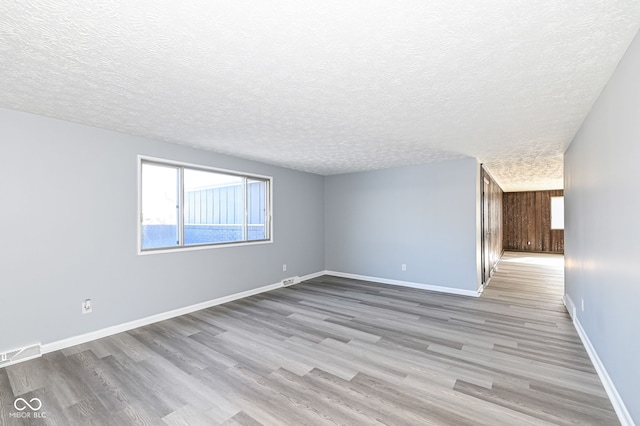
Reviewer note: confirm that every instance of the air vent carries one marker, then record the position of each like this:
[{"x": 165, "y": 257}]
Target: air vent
[
  {"x": 290, "y": 281},
  {"x": 19, "y": 355}
]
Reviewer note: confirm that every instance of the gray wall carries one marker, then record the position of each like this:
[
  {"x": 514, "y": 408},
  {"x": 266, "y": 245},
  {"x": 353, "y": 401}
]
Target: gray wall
[
  {"x": 424, "y": 216},
  {"x": 68, "y": 223},
  {"x": 602, "y": 235}
]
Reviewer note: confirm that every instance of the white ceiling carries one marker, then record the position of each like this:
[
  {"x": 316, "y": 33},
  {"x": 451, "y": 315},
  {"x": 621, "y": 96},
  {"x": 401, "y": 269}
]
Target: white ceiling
[{"x": 328, "y": 86}]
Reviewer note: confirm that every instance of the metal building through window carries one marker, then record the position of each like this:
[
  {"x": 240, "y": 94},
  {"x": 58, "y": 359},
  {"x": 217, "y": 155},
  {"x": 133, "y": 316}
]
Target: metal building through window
[{"x": 192, "y": 206}]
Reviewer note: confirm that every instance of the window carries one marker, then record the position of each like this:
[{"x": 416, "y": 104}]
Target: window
[
  {"x": 557, "y": 212},
  {"x": 188, "y": 206}
]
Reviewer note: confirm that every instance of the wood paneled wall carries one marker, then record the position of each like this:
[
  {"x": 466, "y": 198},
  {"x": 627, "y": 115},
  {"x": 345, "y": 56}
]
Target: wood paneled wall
[
  {"x": 527, "y": 222},
  {"x": 492, "y": 223}
]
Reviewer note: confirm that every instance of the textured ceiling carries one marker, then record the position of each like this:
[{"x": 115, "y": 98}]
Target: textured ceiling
[{"x": 328, "y": 86}]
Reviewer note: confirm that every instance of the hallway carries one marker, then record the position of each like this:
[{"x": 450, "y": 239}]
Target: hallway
[{"x": 527, "y": 292}]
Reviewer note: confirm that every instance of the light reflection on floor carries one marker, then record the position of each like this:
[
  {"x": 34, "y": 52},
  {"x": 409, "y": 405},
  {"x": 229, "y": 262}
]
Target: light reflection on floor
[{"x": 540, "y": 259}]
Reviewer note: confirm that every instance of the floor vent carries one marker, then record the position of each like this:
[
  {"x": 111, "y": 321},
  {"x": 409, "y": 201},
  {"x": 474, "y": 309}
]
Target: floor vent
[
  {"x": 19, "y": 355},
  {"x": 290, "y": 281}
]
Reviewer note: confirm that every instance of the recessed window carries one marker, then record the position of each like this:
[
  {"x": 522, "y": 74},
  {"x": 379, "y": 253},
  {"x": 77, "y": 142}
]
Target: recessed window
[
  {"x": 187, "y": 206},
  {"x": 557, "y": 212}
]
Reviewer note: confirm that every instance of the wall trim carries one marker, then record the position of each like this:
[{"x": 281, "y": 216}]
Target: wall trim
[
  {"x": 571, "y": 308},
  {"x": 109, "y": 331},
  {"x": 618, "y": 404},
  {"x": 428, "y": 287}
]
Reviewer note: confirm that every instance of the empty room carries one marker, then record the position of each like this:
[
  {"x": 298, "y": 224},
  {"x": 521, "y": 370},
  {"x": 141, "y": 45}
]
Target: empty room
[{"x": 288, "y": 213}]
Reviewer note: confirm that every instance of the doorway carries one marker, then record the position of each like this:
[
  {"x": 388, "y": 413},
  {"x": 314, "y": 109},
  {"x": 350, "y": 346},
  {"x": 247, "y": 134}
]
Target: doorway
[
  {"x": 491, "y": 224},
  {"x": 486, "y": 233}
]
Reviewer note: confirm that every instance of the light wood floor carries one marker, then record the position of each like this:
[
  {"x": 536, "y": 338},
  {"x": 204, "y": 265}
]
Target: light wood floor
[{"x": 335, "y": 351}]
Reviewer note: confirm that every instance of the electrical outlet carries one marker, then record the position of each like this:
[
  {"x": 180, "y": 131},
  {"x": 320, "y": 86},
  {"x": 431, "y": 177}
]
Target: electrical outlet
[
  {"x": 87, "y": 306},
  {"x": 284, "y": 268},
  {"x": 582, "y": 304},
  {"x": 404, "y": 266}
]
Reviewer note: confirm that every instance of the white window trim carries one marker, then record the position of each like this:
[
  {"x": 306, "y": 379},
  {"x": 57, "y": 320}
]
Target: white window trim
[{"x": 269, "y": 218}]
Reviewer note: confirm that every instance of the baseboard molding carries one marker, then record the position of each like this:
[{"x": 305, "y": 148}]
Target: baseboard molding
[
  {"x": 571, "y": 307},
  {"x": 495, "y": 268},
  {"x": 312, "y": 276},
  {"x": 618, "y": 404},
  {"x": 439, "y": 289},
  {"x": 483, "y": 287},
  {"x": 109, "y": 331}
]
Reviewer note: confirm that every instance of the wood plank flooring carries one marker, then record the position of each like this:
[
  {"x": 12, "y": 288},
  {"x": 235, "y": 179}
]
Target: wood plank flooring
[{"x": 334, "y": 351}]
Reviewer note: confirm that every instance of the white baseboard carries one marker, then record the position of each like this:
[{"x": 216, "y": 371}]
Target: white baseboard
[
  {"x": 571, "y": 307},
  {"x": 618, "y": 404},
  {"x": 109, "y": 331},
  {"x": 312, "y": 276},
  {"x": 439, "y": 289}
]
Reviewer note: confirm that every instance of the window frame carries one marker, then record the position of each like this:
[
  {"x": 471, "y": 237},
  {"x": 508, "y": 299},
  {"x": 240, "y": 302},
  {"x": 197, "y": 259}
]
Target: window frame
[{"x": 141, "y": 159}]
